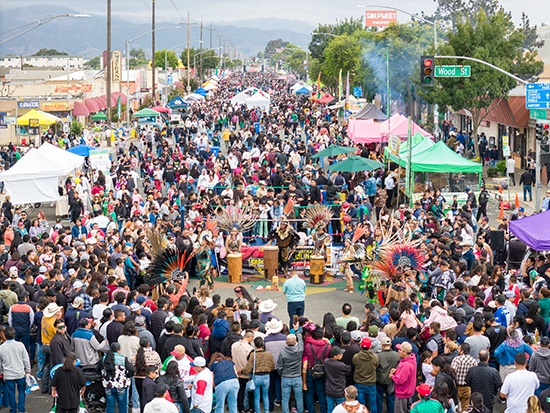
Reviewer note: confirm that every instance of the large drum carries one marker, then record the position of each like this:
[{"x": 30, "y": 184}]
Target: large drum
[
  {"x": 317, "y": 270},
  {"x": 235, "y": 268},
  {"x": 271, "y": 261}
]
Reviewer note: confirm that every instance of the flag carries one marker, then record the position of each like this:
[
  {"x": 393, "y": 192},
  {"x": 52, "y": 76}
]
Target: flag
[
  {"x": 347, "y": 86},
  {"x": 119, "y": 108},
  {"x": 319, "y": 86},
  {"x": 340, "y": 86}
]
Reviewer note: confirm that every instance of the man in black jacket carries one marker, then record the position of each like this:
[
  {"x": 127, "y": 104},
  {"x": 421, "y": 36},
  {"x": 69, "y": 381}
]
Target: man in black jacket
[
  {"x": 484, "y": 379},
  {"x": 158, "y": 317},
  {"x": 61, "y": 343},
  {"x": 114, "y": 329},
  {"x": 528, "y": 180},
  {"x": 289, "y": 367},
  {"x": 232, "y": 337},
  {"x": 314, "y": 193}
]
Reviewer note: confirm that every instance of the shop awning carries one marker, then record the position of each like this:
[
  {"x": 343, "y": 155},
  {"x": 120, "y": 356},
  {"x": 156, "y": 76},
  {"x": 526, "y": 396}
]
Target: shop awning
[
  {"x": 80, "y": 109},
  {"x": 92, "y": 105},
  {"x": 43, "y": 118},
  {"x": 123, "y": 99}
]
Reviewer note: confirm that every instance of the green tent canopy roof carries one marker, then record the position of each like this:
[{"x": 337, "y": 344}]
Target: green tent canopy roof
[
  {"x": 146, "y": 112},
  {"x": 420, "y": 144},
  {"x": 356, "y": 164},
  {"x": 439, "y": 158},
  {"x": 99, "y": 116},
  {"x": 334, "y": 150}
]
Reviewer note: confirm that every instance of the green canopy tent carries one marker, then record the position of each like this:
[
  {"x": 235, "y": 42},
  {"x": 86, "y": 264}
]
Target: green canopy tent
[
  {"x": 439, "y": 158},
  {"x": 420, "y": 144},
  {"x": 99, "y": 116},
  {"x": 334, "y": 150},
  {"x": 146, "y": 113},
  {"x": 356, "y": 164}
]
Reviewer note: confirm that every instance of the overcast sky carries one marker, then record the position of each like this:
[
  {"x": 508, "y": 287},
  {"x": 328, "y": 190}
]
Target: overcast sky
[{"x": 313, "y": 11}]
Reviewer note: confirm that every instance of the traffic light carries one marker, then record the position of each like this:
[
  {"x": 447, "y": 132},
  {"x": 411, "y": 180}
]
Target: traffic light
[
  {"x": 542, "y": 131},
  {"x": 427, "y": 70}
]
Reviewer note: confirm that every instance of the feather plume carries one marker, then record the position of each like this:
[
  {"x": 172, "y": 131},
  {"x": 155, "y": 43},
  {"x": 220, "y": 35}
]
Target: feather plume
[
  {"x": 242, "y": 219},
  {"x": 157, "y": 240},
  {"x": 168, "y": 265},
  {"x": 359, "y": 232},
  {"x": 289, "y": 206},
  {"x": 317, "y": 215}
]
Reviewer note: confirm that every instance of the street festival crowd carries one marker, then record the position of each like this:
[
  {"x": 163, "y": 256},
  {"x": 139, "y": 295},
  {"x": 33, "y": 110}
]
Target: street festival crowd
[{"x": 102, "y": 304}]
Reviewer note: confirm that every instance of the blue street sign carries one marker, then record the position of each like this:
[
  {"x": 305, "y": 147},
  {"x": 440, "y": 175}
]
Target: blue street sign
[
  {"x": 358, "y": 92},
  {"x": 537, "y": 96},
  {"x": 169, "y": 80}
]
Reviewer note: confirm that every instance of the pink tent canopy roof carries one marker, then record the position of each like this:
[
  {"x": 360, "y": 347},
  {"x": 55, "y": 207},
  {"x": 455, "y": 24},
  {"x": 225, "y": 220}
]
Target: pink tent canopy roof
[
  {"x": 160, "y": 109},
  {"x": 92, "y": 105},
  {"x": 399, "y": 125},
  {"x": 364, "y": 131},
  {"x": 80, "y": 109}
]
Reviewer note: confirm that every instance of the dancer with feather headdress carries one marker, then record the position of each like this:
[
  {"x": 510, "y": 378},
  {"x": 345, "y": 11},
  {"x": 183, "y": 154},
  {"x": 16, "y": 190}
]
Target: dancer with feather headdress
[
  {"x": 205, "y": 242},
  {"x": 286, "y": 238},
  {"x": 317, "y": 219},
  {"x": 235, "y": 221}
]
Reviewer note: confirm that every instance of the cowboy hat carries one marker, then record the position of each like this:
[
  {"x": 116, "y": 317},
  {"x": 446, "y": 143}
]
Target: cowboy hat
[
  {"x": 274, "y": 326},
  {"x": 51, "y": 310},
  {"x": 267, "y": 306}
]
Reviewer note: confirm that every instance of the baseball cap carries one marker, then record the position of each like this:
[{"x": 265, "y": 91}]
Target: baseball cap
[
  {"x": 335, "y": 351},
  {"x": 489, "y": 317},
  {"x": 199, "y": 362},
  {"x": 544, "y": 341},
  {"x": 43, "y": 269},
  {"x": 373, "y": 331},
  {"x": 346, "y": 337},
  {"x": 14, "y": 272},
  {"x": 424, "y": 390},
  {"x": 385, "y": 341},
  {"x": 78, "y": 301},
  {"x": 366, "y": 343},
  {"x": 501, "y": 299},
  {"x": 467, "y": 190},
  {"x": 161, "y": 388},
  {"x": 78, "y": 284},
  {"x": 521, "y": 209},
  {"x": 179, "y": 350},
  {"x": 140, "y": 321},
  {"x": 135, "y": 307},
  {"x": 509, "y": 294},
  {"x": 405, "y": 346},
  {"x": 141, "y": 299},
  {"x": 356, "y": 335}
]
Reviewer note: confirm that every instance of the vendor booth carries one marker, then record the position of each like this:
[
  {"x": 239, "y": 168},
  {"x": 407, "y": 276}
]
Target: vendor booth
[
  {"x": 259, "y": 100},
  {"x": 534, "y": 231},
  {"x": 147, "y": 117}
]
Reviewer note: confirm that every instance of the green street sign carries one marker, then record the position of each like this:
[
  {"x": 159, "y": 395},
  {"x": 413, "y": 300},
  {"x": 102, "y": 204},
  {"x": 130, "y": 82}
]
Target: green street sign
[
  {"x": 537, "y": 114},
  {"x": 453, "y": 71}
]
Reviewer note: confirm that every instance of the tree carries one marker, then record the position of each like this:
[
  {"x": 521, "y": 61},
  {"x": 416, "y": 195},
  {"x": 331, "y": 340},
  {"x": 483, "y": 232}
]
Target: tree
[
  {"x": 76, "y": 128},
  {"x": 183, "y": 55},
  {"x": 210, "y": 59},
  {"x": 50, "y": 52},
  {"x": 138, "y": 58},
  {"x": 296, "y": 61},
  {"x": 232, "y": 64},
  {"x": 485, "y": 88},
  {"x": 532, "y": 41},
  {"x": 93, "y": 63},
  {"x": 272, "y": 47},
  {"x": 320, "y": 42},
  {"x": 169, "y": 57}
]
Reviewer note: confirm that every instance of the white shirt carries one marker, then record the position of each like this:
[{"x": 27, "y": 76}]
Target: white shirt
[
  {"x": 97, "y": 312},
  {"x": 389, "y": 182},
  {"x": 341, "y": 409},
  {"x": 202, "y": 391},
  {"x": 511, "y": 166},
  {"x": 519, "y": 386}
]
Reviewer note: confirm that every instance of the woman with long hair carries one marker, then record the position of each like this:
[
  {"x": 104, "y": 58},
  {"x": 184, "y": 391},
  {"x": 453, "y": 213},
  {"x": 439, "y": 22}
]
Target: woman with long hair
[
  {"x": 533, "y": 320},
  {"x": 68, "y": 384},
  {"x": 441, "y": 394},
  {"x": 241, "y": 292},
  {"x": 129, "y": 340},
  {"x": 116, "y": 373},
  {"x": 445, "y": 373},
  {"x": 476, "y": 404},
  {"x": 226, "y": 381},
  {"x": 534, "y": 405},
  {"x": 506, "y": 352},
  {"x": 172, "y": 378},
  {"x": 144, "y": 357},
  {"x": 329, "y": 323}
]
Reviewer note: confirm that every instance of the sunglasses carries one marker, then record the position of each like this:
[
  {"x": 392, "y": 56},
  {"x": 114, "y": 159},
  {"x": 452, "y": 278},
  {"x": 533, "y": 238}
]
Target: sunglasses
[{"x": 61, "y": 327}]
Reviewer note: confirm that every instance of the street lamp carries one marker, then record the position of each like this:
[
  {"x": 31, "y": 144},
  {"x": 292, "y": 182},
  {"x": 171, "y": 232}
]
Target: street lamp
[
  {"x": 410, "y": 14},
  {"x": 128, "y": 68},
  {"x": 41, "y": 22},
  {"x": 327, "y": 34}
]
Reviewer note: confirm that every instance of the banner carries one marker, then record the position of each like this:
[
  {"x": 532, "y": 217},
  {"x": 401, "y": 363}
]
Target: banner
[
  {"x": 28, "y": 104},
  {"x": 73, "y": 89},
  {"x": 100, "y": 160},
  {"x": 340, "y": 86},
  {"x": 115, "y": 64},
  {"x": 55, "y": 106},
  {"x": 380, "y": 18},
  {"x": 118, "y": 108},
  {"x": 319, "y": 86}
]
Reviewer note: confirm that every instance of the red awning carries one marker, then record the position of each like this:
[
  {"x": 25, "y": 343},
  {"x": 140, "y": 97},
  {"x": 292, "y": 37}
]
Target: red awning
[
  {"x": 160, "y": 109},
  {"x": 92, "y": 105},
  {"x": 80, "y": 109},
  {"x": 100, "y": 103},
  {"x": 123, "y": 98},
  {"x": 326, "y": 99}
]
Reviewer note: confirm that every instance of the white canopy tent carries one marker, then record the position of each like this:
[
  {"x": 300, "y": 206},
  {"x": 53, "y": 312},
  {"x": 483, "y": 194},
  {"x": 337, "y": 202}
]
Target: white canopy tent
[
  {"x": 34, "y": 178},
  {"x": 242, "y": 97},
  {"x": 296, "y": 86},
  {"x": 193, "y": 97},
  {"x": 258, "y": 100}
]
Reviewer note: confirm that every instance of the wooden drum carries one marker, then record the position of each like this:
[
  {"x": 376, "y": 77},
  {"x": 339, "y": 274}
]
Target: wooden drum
[
  {"x": 271, "y": 261},
  {"x": 317, "y": 270},
  {"x": 235, "y": 268}
]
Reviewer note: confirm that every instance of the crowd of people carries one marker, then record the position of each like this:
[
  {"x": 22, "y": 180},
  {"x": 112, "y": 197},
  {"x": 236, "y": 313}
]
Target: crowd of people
[{"x": 75, "y": 298}]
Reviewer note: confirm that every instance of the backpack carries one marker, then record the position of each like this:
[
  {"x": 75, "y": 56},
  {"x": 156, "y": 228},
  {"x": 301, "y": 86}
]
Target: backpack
[{"x": 318, "y": 368}]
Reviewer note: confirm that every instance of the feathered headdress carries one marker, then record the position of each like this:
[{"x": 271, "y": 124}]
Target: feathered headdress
[
  {"x": 241, "y": 219},
  {"x": 289, "y": 206},
  {"x": 317, "y": 216},
  {"x": 398, "y": 258},
  {"x": 210, "y": 230},
  {"x": 169, "y": 265}
]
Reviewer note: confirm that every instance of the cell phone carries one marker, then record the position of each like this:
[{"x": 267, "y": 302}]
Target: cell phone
[{"x": 194, "y": 290}]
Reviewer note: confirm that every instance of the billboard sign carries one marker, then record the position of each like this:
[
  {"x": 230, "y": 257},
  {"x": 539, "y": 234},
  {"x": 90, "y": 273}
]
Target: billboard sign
[
  {"x": 28, "y": 104},
  {"x": 380, "y": 18},
  {"x": 115, "y": 62}
]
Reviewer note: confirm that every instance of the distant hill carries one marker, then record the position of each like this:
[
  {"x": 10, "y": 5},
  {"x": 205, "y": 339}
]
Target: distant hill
[{"x": 88, "y": 36}]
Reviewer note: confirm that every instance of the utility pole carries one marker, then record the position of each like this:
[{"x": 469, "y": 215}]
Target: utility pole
[
  {"x": 211, "y": 35},
  {"x": 108, "y": 67},
  {"x": 153, "y": 61},
  {"x": 220, "y": 36},
  {"x": 188, "y": 58},
  {"x": 200, "y": 50}
]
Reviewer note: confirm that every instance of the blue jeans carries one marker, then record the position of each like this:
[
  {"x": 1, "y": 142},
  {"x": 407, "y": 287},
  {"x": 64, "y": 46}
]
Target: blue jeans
[
  {"x": 25, "y": 338},
  {"x": 274, "y": 389},
  {"x": 227, "y": 389},
  {"x": 262, "y": 385},
  {"x": 40, "y": 357},
  {"x": 5, "y": 402},
  {"x": 117, "y": 396},
  {"x": 527, "y": 188},
  {"x": 135, "y": 395},
  {"x": 18, "y": 405},
  {"x": 288, "y": 384},
  {"x": 390, "y": 398},
  {"x": 364, "y": 392},
  {"x": 295, "y": 308},
  {"x": 542, "y": 386},
  {"x": 315, "y": 387},
  {"x": 332, "y": 403}
]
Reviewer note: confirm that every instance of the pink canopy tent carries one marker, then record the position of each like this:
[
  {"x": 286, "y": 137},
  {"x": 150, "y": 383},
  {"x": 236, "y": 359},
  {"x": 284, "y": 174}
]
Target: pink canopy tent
[
  {"x": 399, "y": 125},
  {"x": 160, "y": 109},
  {"x": 80, "y": 109},
  {"x": 364, "y": 131}
]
